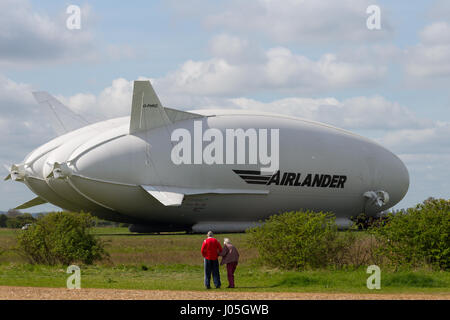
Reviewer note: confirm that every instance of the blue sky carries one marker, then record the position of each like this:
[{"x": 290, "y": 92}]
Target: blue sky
[{"x": 390, "y": 85}]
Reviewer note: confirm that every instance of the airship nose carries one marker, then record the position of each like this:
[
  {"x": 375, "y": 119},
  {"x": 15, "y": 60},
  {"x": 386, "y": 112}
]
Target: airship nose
[
  {"x": 396, "y": 180},
  {"x": 389, "y": 181},
  {"x": 402, "y": 182}
]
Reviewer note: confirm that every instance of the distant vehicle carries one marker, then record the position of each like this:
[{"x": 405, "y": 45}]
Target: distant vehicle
[
  {"x": 124, "y": 169},
  {"x": 25, "y": 227}
]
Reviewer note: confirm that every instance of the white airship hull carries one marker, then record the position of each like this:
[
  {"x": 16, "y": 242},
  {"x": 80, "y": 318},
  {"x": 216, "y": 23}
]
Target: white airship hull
[{"x": 124, "y": 175}]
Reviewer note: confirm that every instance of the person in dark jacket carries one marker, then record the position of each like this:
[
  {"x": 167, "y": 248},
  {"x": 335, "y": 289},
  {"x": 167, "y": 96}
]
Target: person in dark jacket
[
  {"x": 210, "y": 251},
  {"x": 230, "y": 257}
]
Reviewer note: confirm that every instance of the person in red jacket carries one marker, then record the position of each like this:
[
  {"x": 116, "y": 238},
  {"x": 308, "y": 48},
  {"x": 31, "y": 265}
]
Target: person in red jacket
[{"x": 210, "y": 252}]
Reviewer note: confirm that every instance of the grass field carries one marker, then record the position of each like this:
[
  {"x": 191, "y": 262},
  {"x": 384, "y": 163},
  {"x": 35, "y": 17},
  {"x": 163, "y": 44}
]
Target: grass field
[{"x": 174, "y": 262}]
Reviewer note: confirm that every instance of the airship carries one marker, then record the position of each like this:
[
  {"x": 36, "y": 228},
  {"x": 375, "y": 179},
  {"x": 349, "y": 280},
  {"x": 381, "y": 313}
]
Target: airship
[{"x": 162, "y": 169}]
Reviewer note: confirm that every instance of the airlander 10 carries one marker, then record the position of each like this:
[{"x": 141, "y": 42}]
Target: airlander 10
[{"x": 163, "y": 169}]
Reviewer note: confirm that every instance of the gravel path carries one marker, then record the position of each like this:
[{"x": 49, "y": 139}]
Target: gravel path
[{"x": 32, "y": 293}]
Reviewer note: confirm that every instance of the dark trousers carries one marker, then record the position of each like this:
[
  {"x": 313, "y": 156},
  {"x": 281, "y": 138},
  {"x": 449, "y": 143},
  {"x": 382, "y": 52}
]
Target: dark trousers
[
  {"x": 231, "y": 267},
  {"x": 212, "y": 266}
]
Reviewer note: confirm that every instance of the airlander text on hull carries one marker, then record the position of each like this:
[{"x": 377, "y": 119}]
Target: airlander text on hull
[{"x": 293, "y": 179}]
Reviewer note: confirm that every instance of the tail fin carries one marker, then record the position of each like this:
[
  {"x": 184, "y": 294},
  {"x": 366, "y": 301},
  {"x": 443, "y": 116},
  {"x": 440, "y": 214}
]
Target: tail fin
[
  {"x": 147, "y": 111},
  {"x": 64, "y": 119},
  {"x": 34, "y": 202}
]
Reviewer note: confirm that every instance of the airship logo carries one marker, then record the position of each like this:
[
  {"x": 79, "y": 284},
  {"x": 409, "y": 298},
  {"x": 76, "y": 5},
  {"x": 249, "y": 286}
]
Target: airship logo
[
  {"x": 234, "y": 143},
  {"x": 293, "y": 179}
]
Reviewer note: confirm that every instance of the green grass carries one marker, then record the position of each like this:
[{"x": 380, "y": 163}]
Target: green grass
[
  {"x": 188, "y": 277},
  {"x": 174, "y": 262}
]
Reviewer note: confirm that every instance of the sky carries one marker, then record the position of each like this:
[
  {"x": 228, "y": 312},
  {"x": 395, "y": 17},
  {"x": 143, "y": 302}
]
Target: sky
[{"x": 311, "y": 59}]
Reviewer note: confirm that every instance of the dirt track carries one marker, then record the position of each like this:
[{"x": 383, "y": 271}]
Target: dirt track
[{"x": 33, "y": 293}]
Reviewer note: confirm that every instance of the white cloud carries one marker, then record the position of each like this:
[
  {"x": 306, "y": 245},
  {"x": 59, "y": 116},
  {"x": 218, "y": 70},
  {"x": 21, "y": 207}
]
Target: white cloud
[
  {"x": 24, "y": 126},
  {"x": 365, "y": 113},
  {"x": 234, "y": 49},
  {"x": 27, "y": 36},
  {"x": 428, "y": 175},
  {"x": 286, "y": 69},
  {"x": 436, "y": 33},
  {"x": 374, "y": 54},
  {"x": 113, "y": 101},
  {"x": 277, "y": 69},
  {"x": 215, "y": 76},
  {"x": 368, "y": 113},
  {"x": 428, "y": 159},
  {"x": 301, "y": 21},
  {"x": 361, "y": 113},
  {"x": 431, "y": 57},
  {"x": 419, "y": 141}
]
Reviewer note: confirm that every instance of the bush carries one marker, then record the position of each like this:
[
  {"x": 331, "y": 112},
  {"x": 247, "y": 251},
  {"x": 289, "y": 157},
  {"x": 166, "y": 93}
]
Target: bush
[
  {"x": 364, "y": 222},
  {"x": 299, "y": 240},
  {"x": 61, "y": 238},
  {"x": 19, "y": 221},
  {"x": 418, "y": 236},
  {"x": 3, "y": 219}
]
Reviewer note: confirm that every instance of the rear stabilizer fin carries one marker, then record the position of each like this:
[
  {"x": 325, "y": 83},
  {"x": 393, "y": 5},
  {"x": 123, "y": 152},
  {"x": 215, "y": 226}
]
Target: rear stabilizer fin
[
  {"x": 147, "y": 111},
  {"x": 32, "y": 203},
  {"x": 64, "y": 120}
]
